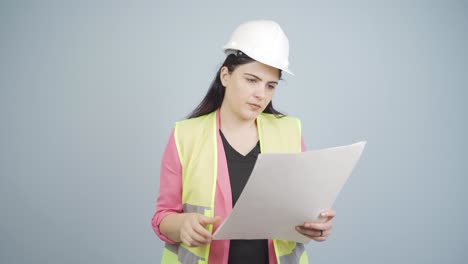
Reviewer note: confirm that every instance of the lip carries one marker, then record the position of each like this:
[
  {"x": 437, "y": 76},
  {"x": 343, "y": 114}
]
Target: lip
[{"x": 256, "y": 106}]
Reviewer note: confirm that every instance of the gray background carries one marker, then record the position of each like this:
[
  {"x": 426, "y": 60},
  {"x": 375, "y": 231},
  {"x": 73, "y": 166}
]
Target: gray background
[{"x": 90, "y": 91}]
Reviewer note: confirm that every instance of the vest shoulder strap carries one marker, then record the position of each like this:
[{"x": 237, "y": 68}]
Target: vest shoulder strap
[{"x": 279, "y": 134}]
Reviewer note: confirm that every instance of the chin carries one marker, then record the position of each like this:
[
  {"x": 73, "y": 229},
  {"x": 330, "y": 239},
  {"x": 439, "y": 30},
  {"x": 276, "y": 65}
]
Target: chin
[
  {"x": 251, "y": 115},
  {"x": 244, "y": 114}
]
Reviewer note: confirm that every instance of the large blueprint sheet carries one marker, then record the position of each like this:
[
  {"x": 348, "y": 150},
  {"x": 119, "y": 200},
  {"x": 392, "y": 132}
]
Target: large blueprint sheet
[{"x": 286, "y": 190}]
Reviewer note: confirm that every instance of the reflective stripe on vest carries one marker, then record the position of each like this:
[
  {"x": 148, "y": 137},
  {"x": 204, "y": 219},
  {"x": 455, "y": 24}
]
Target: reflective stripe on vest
[
  {"x": 288, "y": 252},
  {"x": 180, "y": 254},
  {"x": 196, "y": 141}
]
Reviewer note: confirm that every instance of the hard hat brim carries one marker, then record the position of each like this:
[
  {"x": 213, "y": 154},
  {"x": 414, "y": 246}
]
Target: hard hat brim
[{"x": 230, "y": 50}]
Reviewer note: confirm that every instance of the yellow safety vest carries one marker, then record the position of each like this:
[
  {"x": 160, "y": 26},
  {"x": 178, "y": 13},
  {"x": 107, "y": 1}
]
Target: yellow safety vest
[{"x": 196, "y": 141}]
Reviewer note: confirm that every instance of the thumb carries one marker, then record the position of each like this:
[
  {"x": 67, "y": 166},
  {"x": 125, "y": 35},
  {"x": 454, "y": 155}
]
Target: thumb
[{"x": 204, "y": 220}]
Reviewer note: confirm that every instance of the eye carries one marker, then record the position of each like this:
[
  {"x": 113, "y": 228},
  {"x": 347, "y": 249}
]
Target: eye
[
  {"x": 271, "y": 86},
  {"x": 251, "y": 80}
]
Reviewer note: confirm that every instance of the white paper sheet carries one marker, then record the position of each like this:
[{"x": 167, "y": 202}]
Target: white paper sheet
[{"x": 286, "y": 190}]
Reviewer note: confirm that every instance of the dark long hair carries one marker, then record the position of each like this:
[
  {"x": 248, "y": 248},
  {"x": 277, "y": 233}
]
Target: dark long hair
[{"x": 215, "y": 95}]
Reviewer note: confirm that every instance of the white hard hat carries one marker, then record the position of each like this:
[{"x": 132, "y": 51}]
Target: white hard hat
[{"x": 263, "y": 41}]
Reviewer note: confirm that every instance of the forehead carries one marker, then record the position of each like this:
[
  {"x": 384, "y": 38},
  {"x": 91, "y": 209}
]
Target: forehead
[{"x": 263, "y": 71}]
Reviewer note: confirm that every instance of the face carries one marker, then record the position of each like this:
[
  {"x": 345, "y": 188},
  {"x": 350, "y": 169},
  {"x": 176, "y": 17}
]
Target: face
[{"x": 249, "y": 89}]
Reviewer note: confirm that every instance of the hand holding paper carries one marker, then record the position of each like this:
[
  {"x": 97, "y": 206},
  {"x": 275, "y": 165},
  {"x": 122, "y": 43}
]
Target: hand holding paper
[{"x": 318, "y": 231}]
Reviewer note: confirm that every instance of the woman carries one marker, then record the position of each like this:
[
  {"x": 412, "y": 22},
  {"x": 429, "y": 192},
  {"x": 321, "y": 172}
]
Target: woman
[{"x": 210, "y": 156}]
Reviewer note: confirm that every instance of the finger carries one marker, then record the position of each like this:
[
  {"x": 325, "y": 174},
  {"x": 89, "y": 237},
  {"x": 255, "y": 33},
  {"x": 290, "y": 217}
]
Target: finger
[
  {"x": 201, "y": 230},
  {"x": 199, "y": 239},
  {"x": 317, "y": 226},
  {"x": 187, "y": 240},
  {"x": 208, "y": 220},
  {"x": 329, "y": 213},
  {"x": 193, "y": 239},
  {"x": 308, "y": 232},
  {"x": 184, "y": 241},
  {"x": 315, "y": 235},
  {"x": 327, "y": 233},
  {"x": 319, "y": 239}
]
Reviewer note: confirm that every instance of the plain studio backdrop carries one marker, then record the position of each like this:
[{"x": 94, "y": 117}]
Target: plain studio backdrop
[{"x": 90, "y": 91}]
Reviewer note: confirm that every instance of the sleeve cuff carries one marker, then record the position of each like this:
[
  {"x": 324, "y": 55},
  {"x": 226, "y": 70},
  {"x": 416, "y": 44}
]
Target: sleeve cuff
[{"x": 156, "y": 221}]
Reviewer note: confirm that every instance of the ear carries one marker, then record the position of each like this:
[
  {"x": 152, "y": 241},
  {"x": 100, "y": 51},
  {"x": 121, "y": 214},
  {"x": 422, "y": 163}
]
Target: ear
[{"x": 225, "y": 76}]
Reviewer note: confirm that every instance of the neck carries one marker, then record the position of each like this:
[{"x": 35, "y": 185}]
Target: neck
[{"x": 229, "y": 121}]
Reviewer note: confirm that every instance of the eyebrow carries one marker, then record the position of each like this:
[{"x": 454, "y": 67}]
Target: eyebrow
[{"x": 258, "y": 78}]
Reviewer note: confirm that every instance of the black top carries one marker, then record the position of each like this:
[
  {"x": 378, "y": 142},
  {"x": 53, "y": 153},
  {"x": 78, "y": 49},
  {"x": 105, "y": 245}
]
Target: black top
[{"x": 240, "y": 167}]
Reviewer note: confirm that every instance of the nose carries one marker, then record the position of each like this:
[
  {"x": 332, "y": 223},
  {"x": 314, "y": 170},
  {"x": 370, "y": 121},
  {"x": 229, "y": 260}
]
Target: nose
[{"x": 259, "y": 92}]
